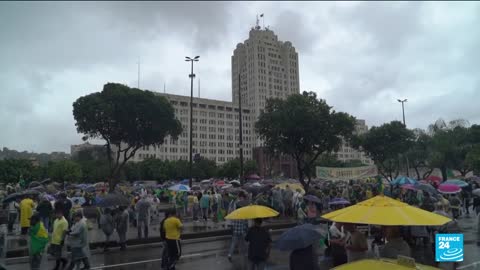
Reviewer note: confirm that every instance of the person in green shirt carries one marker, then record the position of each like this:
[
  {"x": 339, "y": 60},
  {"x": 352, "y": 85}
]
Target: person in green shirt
[{"x": 60, "y": 228}]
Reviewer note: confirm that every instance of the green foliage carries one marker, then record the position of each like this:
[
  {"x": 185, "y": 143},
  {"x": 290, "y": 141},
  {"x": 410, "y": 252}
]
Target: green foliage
[
  {"x": 204, "y": 168},
  {"x": 64, "y": 171},
  {"x": 94, "y": 164},
  {"x": 304, "y": 127},
  {"x": 250, "y": 167},
  {"x": 473, "y": 159},
  {"x": 11, "y": 170},
  {"x": 230, "y": 169},
  {"x": 418, "y": 154},
  {"x": 127, "y": 119},
  {"x": 385, "y": 144}
]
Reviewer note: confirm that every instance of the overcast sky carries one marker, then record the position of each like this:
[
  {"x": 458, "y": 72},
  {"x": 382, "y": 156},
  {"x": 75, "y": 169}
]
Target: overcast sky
[{"x": 360, "y": 57}]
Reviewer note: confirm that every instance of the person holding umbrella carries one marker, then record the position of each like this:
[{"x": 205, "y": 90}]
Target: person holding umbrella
[{"x": 259, "y": 241}]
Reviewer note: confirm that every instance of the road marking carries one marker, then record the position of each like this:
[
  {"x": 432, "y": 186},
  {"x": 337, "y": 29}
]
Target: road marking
[{"x": 140, "y": 262}]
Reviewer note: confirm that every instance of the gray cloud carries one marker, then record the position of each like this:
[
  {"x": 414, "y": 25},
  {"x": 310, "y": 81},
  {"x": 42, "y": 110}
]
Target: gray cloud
[{"x": 359, "y": 56}]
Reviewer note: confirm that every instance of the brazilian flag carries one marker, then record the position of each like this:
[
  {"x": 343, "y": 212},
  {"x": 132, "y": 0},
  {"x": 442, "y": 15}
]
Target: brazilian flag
[{"x": 22, "y": 182}]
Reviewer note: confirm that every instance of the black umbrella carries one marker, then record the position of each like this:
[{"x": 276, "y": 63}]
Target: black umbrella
[
  {"x": 113, "y": 199},
  {"x": 12, "y": 197},
  {"x": 46, "y": 181},
  {"x": 34, "y": 184},
  {"x": 31, "y": 192}
]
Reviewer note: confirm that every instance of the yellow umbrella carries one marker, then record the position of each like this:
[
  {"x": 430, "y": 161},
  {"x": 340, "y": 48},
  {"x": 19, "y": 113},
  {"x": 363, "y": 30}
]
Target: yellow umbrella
[
  {"x": 382, "y": 210},
  {"x": 252, "y": 212},
  {"x": 293, "y": 186},
  {"x": 389, "y": 264}
]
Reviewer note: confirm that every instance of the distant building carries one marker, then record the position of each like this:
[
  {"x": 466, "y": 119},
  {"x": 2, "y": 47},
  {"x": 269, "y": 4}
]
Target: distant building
[
  {"x": 347, "y": 153},
  {"x": 215, "y": 131}
]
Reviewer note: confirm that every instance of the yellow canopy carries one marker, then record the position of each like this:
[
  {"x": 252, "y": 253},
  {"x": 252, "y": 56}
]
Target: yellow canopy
[
  {"x": 252, "y": 212},
  {"x": 382, "y": 210},
  {"x": 389, "y": 264},
  {"x": 293, "y": 186}
]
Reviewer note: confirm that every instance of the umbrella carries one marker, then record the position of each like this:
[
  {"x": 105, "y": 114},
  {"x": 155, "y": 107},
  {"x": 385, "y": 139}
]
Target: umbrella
[
  {"x": 31, "y": 192},
  {"x": 256, "y": 184},
  {"x": 226, "y": 186},
  {"x": 235, "y": 183},
  {"x": 46, "y": 181},
  {"x": 434, "y": 178},
  {"x": 449, "y": 189},
  {"x": 368, "y": 264},
  {"x": 220, "y": 183},
  {"x": 90, "y": 188},
  {"x": 78, "y": 200},
  {"x": 205, "y": 182},
  {"x": 312, "y": 198},
  {"x": 476, "y": 192},
  {"x": 112, "y": 199},
  {"x": 12, "y": 197},
  {"x": 252, "y": 212},
  {"x": 427, "y": 188},
  {"x": 196, "y": 188},
  {"x": 338, "y": 201},
  {"x": 402, "y": 181},
  {"x": 253, "y": 177},
  {"x": 48, "y": 197},
  {"x": 179, "y": 187},
  {"x": 456, "y": 182},
  {"x": 298, "y": 237},
  {"x": 408, "y": 186},
  {"x": 383, "y": 210},
  {"x": 292, "y": 186}
]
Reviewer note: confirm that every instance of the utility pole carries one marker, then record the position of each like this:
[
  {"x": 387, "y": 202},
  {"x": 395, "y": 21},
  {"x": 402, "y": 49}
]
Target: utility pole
[
  {"x": 240, "y": 126},
  {"x": 138, "y": 75},
  {"x": 191, "y": 76},
  {"x": 405, "y": 125}
]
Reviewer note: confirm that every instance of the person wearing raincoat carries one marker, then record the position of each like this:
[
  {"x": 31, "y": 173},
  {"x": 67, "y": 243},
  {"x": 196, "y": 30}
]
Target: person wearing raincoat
[
  {"x": 38, "y": 241},
  {"x": 26, "y": 211}
]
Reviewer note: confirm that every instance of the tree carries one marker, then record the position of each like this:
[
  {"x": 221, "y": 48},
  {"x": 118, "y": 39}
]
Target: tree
[
  {"x": 451, "y": 143},
  {"x": 204, "y": 168},
  {"x": 64, "y": 171},
  {"x": 250, "y": 167},
  {"x": 473, "y": 159},
  {"x": 328, "y": 160},
  {"x": 127, "y": 119},
  {"x": 94, "y": 164},
  {"x": 418, "y": 154},
  {"x": 230, "y": 169},
  {"x": 385, "y": 144},
  {"x": 305, "y": 128}
]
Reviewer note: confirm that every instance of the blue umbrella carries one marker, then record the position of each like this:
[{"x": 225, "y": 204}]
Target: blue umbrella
[
  {"x": 179, "y": 187},
  {"x": 426, "y": 187},
  {"x": 456, "y": 182},
  {"x": 298, "y": 237},
  {"x": 338, "y": 201},
  {"x": 403, "y": 181},
  {"x": 185, "y": 182}
]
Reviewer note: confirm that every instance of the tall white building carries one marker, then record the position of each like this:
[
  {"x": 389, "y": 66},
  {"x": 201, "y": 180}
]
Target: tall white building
[{"x": 267, "y": 67}]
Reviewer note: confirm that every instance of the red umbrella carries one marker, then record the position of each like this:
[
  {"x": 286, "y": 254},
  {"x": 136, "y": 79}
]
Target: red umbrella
[{"x": 220, "y": 183}]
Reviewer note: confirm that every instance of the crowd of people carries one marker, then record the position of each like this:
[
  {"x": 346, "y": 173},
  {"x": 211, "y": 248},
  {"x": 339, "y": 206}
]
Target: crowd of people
[{"x": 63, "y": 221}]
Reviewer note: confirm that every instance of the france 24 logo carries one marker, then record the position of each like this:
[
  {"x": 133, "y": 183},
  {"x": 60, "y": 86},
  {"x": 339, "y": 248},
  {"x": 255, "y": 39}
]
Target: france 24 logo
[{"x": 449, "y": 247}]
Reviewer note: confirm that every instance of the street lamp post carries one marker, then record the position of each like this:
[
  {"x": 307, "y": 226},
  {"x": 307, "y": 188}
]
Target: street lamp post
[
  {"x": 240, "y": 130},
  {"x": 191, "y": 76},
  {"x": 403, "y": 113}
]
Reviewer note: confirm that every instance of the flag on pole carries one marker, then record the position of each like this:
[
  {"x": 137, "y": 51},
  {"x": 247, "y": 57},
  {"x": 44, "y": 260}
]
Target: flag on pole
[{"x": 261, "y": 15}]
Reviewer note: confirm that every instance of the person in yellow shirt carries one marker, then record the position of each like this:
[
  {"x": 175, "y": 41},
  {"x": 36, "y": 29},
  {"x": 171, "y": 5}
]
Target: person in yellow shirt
[
  {"x": 173, "y": 226},
  {"x": 60, "y": 228},
  {"x": 26, "y": 211}
]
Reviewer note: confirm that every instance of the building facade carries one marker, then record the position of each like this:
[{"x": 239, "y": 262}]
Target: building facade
[
  {"x": 266, "y": 67},
  {"x": 348, "y": 153},
  {"x": 215, "y": 131}
]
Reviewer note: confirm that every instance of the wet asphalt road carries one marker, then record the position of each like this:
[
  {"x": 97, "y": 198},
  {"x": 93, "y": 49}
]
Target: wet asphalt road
[{"x": 211, "y": 254}]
